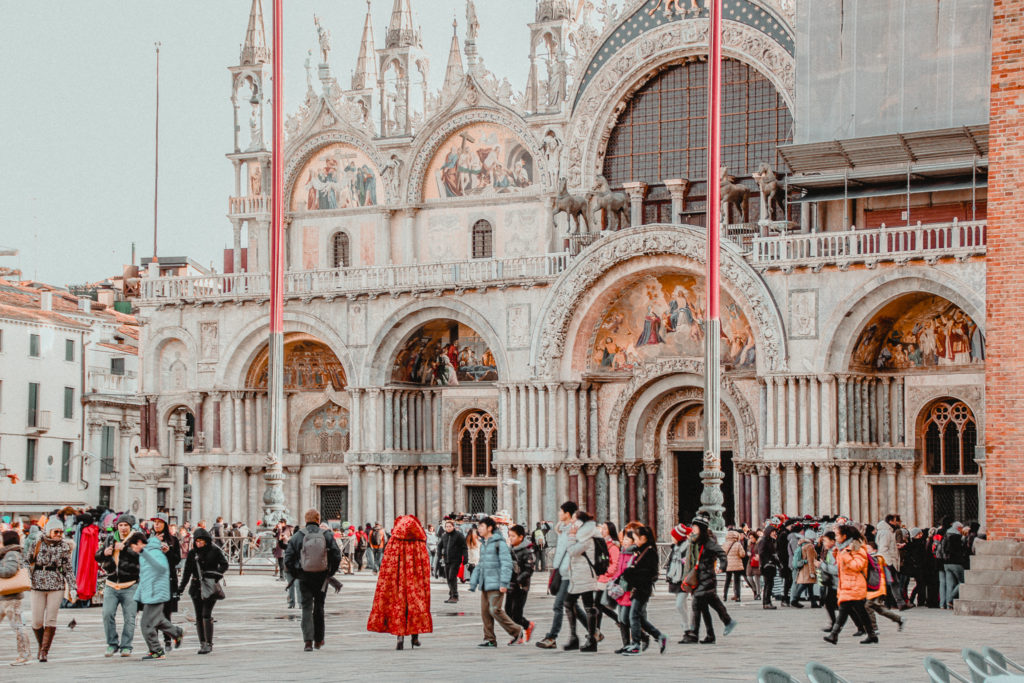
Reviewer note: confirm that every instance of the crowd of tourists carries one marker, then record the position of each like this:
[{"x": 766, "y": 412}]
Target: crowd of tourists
[{"x": 602, "y": 579}]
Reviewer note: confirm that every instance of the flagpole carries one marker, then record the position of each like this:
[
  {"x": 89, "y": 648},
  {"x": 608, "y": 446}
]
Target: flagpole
[
  {"x": 711, "y": 476},
  {"x": 156, "y": 153},
  {"x": 273, "y": 498}
]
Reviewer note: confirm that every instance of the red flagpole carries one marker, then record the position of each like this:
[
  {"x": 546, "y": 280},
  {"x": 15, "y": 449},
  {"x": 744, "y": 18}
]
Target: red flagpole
[{"x": 714, "y": 155}]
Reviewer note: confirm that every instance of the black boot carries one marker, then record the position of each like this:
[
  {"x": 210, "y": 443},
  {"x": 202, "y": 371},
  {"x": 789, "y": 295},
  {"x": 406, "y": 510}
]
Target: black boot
[
  {"x": 574, "y": 641},
  {"x": 208, "y": 627},
  {"x": 626, "y": 635},
  {"x": 872, "y": 638},
  {"x": 591, "y": 644},
  {"x": 833, "y": 636}
]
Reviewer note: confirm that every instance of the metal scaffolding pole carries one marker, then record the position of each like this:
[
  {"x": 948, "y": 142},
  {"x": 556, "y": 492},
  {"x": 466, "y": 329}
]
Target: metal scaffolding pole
[
  {"x": 711, "y": 476},
  {"x": 273, "y": 498}
]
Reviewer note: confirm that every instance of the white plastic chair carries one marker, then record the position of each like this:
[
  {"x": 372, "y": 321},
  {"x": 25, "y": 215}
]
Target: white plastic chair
[
  {"x": 940, "y": 673},
  {"x": 770, "y": 674},
  {"x": 980, "y": 667},
  {"x": 819, "y": 673},
  {"x": 999, "y": 659}
]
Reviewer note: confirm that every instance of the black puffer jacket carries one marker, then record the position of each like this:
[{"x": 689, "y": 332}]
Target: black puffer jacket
[
  {"x": 206, "y": 562},
  {"x": 125, "y": 568},
  {"x": 453, "y": 548},
  {"x": 641, "y": 575},
  {"x": 526, "y": 561},
  {"x": 706, "y": 577}
]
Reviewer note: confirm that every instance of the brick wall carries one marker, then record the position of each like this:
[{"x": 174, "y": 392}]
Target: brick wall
[{"x": 1004, "y": 369}]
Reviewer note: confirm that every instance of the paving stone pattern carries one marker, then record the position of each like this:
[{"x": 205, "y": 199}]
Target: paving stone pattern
[{"x": 258, "y": 638}]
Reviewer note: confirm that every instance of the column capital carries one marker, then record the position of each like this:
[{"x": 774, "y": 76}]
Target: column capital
[
  {"x": 216, "y": 469},
  {"x": 614, "y": 469},
  {"x": 237, "y": 394},
  {"x": 126, "y": 427},
  {"x": 573, "y": 469},
  {"x": 636, "y": 190},
  {"x": 826, "y": 379},
  {"x": 197, "y": 396},
  {"x": 890, "y": 467},
  {"x": 410, "y": 211},
  {"x": 179, "y": 431},
  {"x": 254, "y": 470},
  {"x": 236, "y": 469},
  {"x": 390, "y": 469},
  {"x": 762, "y": 469},
  {"x": 216, "y": 395},
  {"x": 550, "y": 469},
  {"x": 678, "y": 188},
  {"x": 885, "y": 379},
  {"x": 591, "y": 469},
  {"x": 633, "y": 468},
  {"x": 194, "y": 471},
  {"x": 94, "y": 425},
  {"x": 292, "y": 469},
  {"x": 845, "y": 466},
  {"x": 651, "y": 466}
]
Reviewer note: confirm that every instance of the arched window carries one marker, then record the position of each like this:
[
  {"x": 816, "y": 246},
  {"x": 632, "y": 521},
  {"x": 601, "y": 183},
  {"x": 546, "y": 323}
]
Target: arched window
[
  {"x": 483, "y": 240},
  {"x": 662, "y": 132},
  {"x": 340, "y": 250},
  {"x": 949, "y": 435},
  {"x": 476, "y": 439}
]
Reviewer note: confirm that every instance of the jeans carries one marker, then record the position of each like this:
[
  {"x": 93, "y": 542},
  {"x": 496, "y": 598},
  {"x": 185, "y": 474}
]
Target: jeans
[
  {"x": 800, "y": 589},
  {"x": 702, "y": 604},
  {"x": 894, "y": 586},
  {"x": 373, "y": 558},
  {"x": 877, "y": 606},
  {"x": 943, "y": 591},
  {"x": 768, "y": 574},
  {"x": 558, "y": 608},
  {"x": 515, "y": 602},
  {"x": 683, "y": 607},
  {"x": 451, "y": 575},
  {"x": 638, "y": 621},
  {"x": 954, "y": 574},
  {"x": 734, "y": 577},
  {"x": 312, "y": 612},
  {"x": 125, "y": 599}
]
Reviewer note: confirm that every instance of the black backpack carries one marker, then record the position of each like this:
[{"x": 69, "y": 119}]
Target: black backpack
[{"x": 601, "y": 557}]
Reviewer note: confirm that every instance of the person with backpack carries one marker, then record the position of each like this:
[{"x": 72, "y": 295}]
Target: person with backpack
[
  {"x": 492, "y": 575},
  {"x": 851, "y": 588},
  {"x": 540, "y": 543},
  {"x": 452, "y": 555},
  {"x": 588, "y": 559},
  {"x": 603, "y": 604},
  {"x": 803, "y": 565},
  {"x": 674, "y": 575},
  {"x": 121, "y": 567},
  {"x": 827, "y": 572},
  {"x": 154, "y": 590},
  {"x": 735, "y": 554},
  {"x": 205, "y": 560},
  {"x": 954, "y": 553},
  {"x": 558, "y": 582},
  {"x": 701, "y": 556},
  {"x": 378, "y": 539},
  {"x": 877, "y": 587},
  {"x": 524, "y": 561},
  {"x": 312, "y": 557},
  {"x": 768, "y": 559},
  {"x": 638, "y": 578}
]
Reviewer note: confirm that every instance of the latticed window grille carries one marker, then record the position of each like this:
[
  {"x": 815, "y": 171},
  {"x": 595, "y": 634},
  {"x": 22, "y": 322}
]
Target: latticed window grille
[
  {"x": 340, "y": 250},
  {"x": 481, "y": 499},
  {"x": 483, "y": 240},
  {"x": 334, "y": 503},
  {"x": 477, "y": 439},
  {"x": 662, "y": 132},
  {"x": 950, "y": 434}
]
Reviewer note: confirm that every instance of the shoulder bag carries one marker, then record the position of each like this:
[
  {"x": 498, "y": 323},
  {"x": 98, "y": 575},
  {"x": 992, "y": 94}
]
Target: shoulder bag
[
  {"x": 209, "y": 587},
  {"x": 19, "y": 583},
  {"x": 690, "y": 581}
]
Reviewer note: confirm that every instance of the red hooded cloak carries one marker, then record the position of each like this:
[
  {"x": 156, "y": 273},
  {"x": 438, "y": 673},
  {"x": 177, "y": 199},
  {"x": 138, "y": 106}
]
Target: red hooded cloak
[{"x": 401, "y": 603}]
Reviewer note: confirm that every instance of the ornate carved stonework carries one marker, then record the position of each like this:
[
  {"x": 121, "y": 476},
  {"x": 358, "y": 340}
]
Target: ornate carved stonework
[
  {"x": 918, "y": 397},
  {"x": 457, "y": 406},
  {"x": 648, "y": 372},
  {"x": 624, "y": 245},
  {"x": 297, "y": 158},
  {"x": 607, "y": 93},
  {"x": 424, "y": 155}
]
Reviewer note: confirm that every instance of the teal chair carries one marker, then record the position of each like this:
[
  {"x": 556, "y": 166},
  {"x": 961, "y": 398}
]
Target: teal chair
[
  {"x": 999, "y": 659},
  {"x": 819, "y": 673},
  {"x": 940, "y": 673},
  {"x": 980, "y": 667},
  {"x": 770, "y": 674}
]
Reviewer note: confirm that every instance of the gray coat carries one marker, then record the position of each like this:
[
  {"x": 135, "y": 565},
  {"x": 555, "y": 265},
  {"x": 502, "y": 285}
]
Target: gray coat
[
  {"x": 582, "y": 578},
  {"x": 10, "y": 563}
]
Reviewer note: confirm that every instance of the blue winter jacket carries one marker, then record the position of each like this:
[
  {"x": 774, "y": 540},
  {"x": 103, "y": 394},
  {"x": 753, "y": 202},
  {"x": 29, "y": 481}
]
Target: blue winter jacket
[
  {"x": 494, "y": 571},
  {"x": 154, "y": 574}
]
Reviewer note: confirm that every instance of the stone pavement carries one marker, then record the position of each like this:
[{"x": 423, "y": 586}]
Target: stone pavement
[{"x": 258, "y": 638}]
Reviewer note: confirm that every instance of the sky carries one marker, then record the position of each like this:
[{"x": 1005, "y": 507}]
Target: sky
[{"x": 77, "y": 79}]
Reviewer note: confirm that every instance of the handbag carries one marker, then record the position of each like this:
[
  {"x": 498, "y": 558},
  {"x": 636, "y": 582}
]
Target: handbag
[
  {"x": 209, "y": 587},
  {"x": 616, "y": 590},
  {"x": 554, "y": 582},
  {"x": 690, "y": 581},
  {"x": 19, "y": 583}
]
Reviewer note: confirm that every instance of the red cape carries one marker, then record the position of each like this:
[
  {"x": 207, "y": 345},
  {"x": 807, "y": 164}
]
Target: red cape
[
  {"x": 88, "y": 544},
  {"x": 401, "y": 603}
]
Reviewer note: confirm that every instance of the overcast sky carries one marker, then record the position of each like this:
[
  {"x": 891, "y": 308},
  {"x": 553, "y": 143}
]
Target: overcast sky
[{"x": 76, "y": 125}]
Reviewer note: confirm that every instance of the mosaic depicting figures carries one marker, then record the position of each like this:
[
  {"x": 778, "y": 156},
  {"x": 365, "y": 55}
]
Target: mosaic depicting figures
[
  {"x": 660, "y": 316},
  {"x": 338, "y": 176},
  {"x": 308, "y": 366},
  {"x": 482, "y": 159},
  {"x": 919, "y": 332},
  {"x": 325, "y": 430},
  {"x": 444, "y": 353}
]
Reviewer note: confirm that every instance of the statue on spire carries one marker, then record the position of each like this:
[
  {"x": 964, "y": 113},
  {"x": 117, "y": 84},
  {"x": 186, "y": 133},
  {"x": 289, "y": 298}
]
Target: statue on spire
[
  {"x": 472, "y": 24},
  {"x": 324, "y": 36}
]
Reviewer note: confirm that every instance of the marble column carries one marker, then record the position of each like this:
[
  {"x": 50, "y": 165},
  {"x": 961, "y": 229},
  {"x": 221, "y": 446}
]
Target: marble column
[
  {"x": 807, "y": 488},
  {"x": 905, "y": 497},
  {"x": 249, "y": 443},
  {"x": 356, "y": 509},
  {"x": 574, "y": 483},
  {"x": 764, "y": 495},
  {"x": 502, "y": 417},
  {"x": 802, "y": 411},
  {"x": 552, "y": 415},
  {"x": 291, "y": 483},
  {"x": 196, "y": 506},
  {"x": 591, "y": 474},
  {"x": 755, "y": 497},
  {"x": 595, "y": 422},
  {"x": 899, "y": 434},
  {"x": 842, "y": 412},
  {"x": 791, "y": 403},
  {"x": 179, "y": 474},
  {"x": 124, "y": 466},
  {"x": 891, "y": 498},
  {"x": 613, "y": 494},
  {"x": 637, "y": 191},
  {"x": 678, "y": 188},
  {"x": 254, "y": 509},
  {"x": 845, "y": 506},
  {"x": 865, "y": 410},
  {"x": 389, "y": 496},
  {"x": 865, "y": 508},
  {"x": 855, "y": 510},
  {"x": 540, "y": 409},
  {"x": 652, "y": 494},
  {"x": 215, "y": 397},
  {"x": 447, "y": 490},
  {"x": 536, "y": 495},
  {"x": 775, "y": 485},
  {"x": 238, "y": 492},
  {"x": 792, "y": 505},
  {"x": 421, "y": 492},
  {"x": 769, "y": 411},
  {"x": 524, "y": 416},
  {"x": 826, "y": 506},
  {"x": 227, "y": 502},
  {"x": 261, "y": 424},
  {"x": 583, "y": 422},
  {"x": 434, "y": 494},
  {"x": 389, "y": 422},
  {"x": 238, "y": 415},
  {"x": 632, "y": 470},
  {"x": 814, "y": 434},
  {"x": 370, "y": 494},
  {"x": 401, "y": 507},
  {"x": 410, "y": 490},
  {"x": 828, "y": 412},
  {"x": 216, "y": 497},
  {"x": 307, "y": 499},
  {"x": 551, "y": 492},
  {"x": 571, "y": 413},
  {"x": 874, "y": 494},
  {"x": 521, "y": 512}
]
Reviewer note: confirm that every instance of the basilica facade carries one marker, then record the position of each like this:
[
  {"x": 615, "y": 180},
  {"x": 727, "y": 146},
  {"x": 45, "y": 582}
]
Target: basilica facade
[{"x": 494, "y": 298}]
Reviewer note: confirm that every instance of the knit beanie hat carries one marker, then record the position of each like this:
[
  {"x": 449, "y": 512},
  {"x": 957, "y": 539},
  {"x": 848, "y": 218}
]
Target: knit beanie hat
[
  {"x": 127, "y": 518},
  {"x": 51, "y": 524},
  {"x": 679, "y": 532}
]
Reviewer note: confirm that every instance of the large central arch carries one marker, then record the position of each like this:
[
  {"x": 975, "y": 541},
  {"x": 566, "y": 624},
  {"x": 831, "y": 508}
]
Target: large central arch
[{"x": 567, "y": 295}]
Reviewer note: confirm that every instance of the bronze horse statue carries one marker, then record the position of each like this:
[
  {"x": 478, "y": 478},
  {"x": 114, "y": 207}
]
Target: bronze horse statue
[
  {"x": 733, "y": 194},
  {"x": 770, "y": 188},
  {"x": 572, "y": 206},
  {"x": 612, "y": 203}
]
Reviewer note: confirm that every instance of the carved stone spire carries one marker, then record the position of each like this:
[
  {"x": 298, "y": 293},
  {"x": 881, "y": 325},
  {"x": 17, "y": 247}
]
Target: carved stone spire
[
  {"x": 254, "y": 49},
  {"x": 455, "y": 73},
  {"x": 401, "y": 32},
  {"x": 365, "y": 75}
]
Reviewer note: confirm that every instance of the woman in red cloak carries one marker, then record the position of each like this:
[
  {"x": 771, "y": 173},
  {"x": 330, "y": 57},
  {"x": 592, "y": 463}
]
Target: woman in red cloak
[
  {"x": 88, "y": 569},
  {"x": 401, "y": 603}
]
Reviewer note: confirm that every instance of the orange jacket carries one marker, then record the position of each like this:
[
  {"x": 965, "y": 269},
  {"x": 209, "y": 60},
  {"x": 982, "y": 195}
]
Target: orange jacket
[
  {"x": 881, "y": 584},
  {"x": 853, "y": 564}
]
